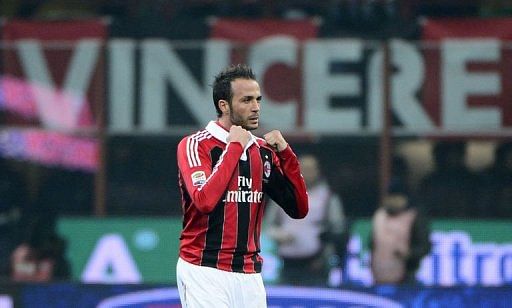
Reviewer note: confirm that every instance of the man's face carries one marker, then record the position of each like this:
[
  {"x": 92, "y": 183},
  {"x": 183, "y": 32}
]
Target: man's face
[{"x": 245, "y": 105}]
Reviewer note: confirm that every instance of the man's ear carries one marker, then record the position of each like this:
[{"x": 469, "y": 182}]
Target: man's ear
[{"x": 224, "y": 106}]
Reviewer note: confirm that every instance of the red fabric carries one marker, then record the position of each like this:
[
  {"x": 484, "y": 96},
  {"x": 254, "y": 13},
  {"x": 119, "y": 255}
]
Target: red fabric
[
  {"x": 54, "y": 30},
  {"x": 437, "y": 29},
  {"x": 248, "y": 31}
]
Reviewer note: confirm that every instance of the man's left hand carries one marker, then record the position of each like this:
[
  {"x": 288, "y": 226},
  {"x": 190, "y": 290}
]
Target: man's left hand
[{"x": 276, "y": 140}]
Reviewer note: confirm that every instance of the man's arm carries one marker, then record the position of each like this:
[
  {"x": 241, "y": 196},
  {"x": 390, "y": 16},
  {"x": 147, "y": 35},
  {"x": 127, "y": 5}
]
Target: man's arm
[
  {"x": 286, "y": 185},
  {"x": 205, "y": 184}
]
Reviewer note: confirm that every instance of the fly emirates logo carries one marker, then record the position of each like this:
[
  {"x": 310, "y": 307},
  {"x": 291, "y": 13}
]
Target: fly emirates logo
[{"x": 244, "y": 192}]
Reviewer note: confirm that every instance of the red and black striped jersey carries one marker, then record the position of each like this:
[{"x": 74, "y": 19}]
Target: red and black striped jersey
[{"x": 223, "y": 188}]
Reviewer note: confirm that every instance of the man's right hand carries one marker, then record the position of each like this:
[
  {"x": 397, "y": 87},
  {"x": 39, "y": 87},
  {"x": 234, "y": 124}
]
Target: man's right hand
[{"x": 238, "y": 134}]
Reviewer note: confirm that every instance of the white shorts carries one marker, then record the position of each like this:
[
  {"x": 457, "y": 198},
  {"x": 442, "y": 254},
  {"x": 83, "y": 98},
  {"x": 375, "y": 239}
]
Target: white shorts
[{"x": 201, "y": 286}]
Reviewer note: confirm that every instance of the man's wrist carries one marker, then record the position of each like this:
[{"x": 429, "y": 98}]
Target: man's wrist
[
  {"x": 281, "y": 148},
  {"x": 236, "y": 144}
]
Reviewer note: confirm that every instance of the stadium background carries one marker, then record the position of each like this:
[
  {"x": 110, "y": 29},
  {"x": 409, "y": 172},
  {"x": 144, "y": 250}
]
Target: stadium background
[{"x": 94, "y": 96}]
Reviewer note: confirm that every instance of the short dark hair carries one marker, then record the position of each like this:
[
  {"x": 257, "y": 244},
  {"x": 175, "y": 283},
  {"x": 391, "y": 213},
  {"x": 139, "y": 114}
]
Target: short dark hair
[{"x": 222, "y": 83}]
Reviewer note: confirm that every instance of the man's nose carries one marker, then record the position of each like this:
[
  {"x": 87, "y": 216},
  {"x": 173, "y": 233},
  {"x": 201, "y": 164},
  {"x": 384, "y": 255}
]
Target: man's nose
[{"x": 255, "y": 106}]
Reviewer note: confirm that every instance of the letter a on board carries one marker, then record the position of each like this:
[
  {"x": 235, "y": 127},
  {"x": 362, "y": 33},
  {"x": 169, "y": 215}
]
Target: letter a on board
[{"x": 111, "y": 262}]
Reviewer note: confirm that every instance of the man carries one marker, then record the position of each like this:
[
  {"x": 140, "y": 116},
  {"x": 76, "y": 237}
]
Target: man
[
  {"x": 309, "y": 246},
  {"x": 225, "y": 173},
  {"x": 399, "y": 239}
]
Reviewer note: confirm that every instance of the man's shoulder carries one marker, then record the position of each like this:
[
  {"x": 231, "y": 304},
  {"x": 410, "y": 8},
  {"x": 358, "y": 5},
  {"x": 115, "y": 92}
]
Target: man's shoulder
[
  {"x": 202, "y": 141},
  {"x": 198, "y": 136}
]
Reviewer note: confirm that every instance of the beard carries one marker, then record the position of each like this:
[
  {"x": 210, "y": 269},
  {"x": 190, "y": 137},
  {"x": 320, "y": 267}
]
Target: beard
[{"x": 237, "y": 120}]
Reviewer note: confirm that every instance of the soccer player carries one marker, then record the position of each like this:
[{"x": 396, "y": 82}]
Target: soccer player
[{"x": 225, "y": 172}]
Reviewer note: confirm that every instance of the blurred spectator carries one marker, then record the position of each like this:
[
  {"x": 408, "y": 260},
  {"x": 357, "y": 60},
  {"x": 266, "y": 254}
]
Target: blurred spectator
[
  {"x": 41, "y": 256},
  {"x": 399, "y": 238},
  {"x": 13, "y": 194},
  {"x": 496, "y": 196},
  {"x": 308, "y": 246},
  {"x": 450, "y": 190}
]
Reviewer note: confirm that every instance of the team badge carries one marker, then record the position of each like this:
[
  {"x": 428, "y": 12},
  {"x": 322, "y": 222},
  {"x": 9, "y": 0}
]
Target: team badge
[
  {"x": 266, "y": 169},
  {"x": 198, "y": 178}
]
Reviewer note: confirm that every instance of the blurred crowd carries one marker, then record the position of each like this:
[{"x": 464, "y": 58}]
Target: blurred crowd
[{"x": 371, "y": 18}]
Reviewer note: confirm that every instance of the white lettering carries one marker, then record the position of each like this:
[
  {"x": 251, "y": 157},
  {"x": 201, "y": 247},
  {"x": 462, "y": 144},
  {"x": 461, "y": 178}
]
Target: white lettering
[
  {"x": 161, "y": 64},
  {"x": 321, "y": 86},
  {"x": 122, "y": 84},
  {"x": 111, "y": 262},
  {"x": 458, "y": 83},
  {"x": 243, "y": 196},
  {"x": 244, "y": 182},
  {"x": 404, "y": 85},
  {"x": 230, "y": 196},
  {"x": 59, "y": 110},
  {"x": 454, "y": 260},
  {"x": 162, "y": 67}
]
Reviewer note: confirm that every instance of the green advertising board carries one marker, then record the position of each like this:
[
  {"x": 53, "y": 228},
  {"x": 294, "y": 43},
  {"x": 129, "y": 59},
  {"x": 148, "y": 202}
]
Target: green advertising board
[
  {"x": 119, "y": 250},
  {"x": 122, "y": 249}
]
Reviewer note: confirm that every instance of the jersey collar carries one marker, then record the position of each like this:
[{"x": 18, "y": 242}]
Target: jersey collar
[{"x": 221, "y": 134}]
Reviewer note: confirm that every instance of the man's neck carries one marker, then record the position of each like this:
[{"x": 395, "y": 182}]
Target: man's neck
[{"x": 224, "y": 123}]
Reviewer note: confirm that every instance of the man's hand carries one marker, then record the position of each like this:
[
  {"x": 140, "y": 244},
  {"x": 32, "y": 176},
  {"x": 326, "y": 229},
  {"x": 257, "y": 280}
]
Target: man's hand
[
  {"x": 276, "y": 140},
  {"x": 238, "y": 134}
]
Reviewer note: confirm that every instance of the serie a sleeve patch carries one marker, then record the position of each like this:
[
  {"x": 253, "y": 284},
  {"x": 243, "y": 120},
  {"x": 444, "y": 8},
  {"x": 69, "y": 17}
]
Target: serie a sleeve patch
[{"x": 198, "y": 178}]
